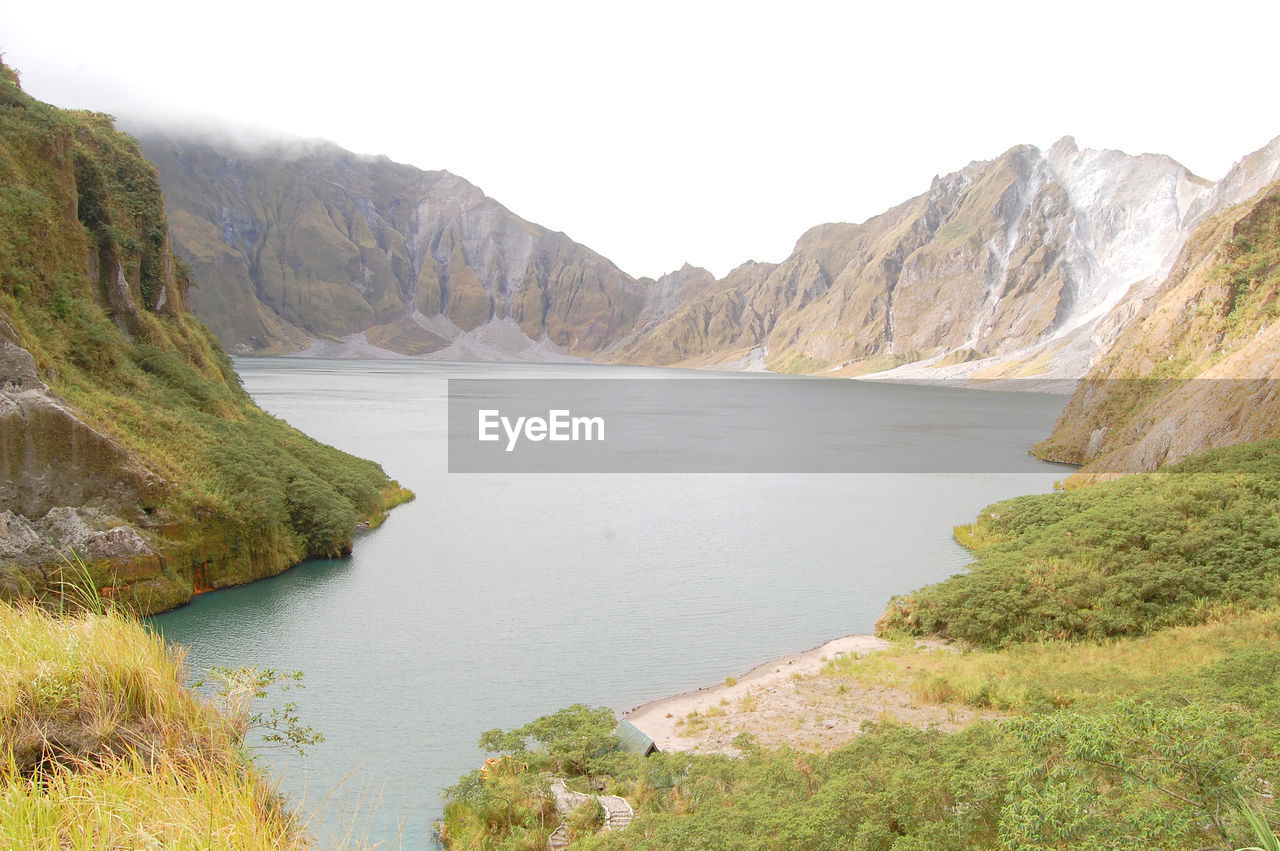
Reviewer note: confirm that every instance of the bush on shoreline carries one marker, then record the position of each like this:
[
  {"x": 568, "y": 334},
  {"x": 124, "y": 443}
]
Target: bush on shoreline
[{"x": 1119, "y": 558}]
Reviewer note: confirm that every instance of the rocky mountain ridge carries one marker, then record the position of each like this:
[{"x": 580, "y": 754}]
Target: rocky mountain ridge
[
  {"x": 1198, "y": 365},
  {"x": 1019, "y": 266},
  {"x": 295, "y": 246},
  {"x": 1025, "y": 265}
]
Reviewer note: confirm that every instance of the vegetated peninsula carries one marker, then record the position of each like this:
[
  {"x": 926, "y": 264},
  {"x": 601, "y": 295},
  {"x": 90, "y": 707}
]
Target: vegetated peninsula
[
  {"x": 124, "y": 432},
  {"x": 1105, "y": 673}
]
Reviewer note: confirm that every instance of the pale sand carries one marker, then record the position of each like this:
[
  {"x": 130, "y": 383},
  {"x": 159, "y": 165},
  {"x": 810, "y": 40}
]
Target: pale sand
[
  {"x": 791, "y": 702},
  {"x": 658, "y": 718}
]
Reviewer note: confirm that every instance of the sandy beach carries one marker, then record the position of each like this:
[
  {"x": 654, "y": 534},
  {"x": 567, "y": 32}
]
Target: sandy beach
[
  {"x": 788, "y": 701},
  {"x": 658, "y": 718}
]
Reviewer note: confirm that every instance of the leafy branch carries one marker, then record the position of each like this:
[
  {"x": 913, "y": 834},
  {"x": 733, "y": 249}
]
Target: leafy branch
[{"x": 239, "y": 687}]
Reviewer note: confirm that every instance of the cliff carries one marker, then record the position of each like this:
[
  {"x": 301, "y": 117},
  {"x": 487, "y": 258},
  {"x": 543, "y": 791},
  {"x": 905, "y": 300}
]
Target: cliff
[
  {"x": 1019, "y": 266},
  {"x": 1197, "y": 367},
  {"x": 125, "y": 437}
]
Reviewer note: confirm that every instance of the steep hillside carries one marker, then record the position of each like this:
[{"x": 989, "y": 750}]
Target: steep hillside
[
  {"x": 1199, "y": 366},
  {"x": 124, "y": 433},
  {"x": 691, "y": 319},
  {"x": 297, "y": 243}
]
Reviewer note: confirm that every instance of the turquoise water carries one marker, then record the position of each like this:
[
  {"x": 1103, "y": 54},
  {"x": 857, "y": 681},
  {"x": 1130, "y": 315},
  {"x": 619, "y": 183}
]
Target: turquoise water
[{"x": 493, "y": 599}]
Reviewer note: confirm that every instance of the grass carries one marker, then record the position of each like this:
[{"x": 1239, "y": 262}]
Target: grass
[
  {"x": 1038, "y": 676},
  {"x": 102, "y": 745},
  {"x": 128, "y": 801},
  {"x": 797, "y": 363},
  {"x": 692, "y": 724},
  {"x": 78, "y": 685}
]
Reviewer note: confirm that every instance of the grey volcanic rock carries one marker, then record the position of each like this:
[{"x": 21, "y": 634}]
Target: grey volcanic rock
[
  {"x": 63, "y": 485},
  {"x": 90, "y": 533},
  {"x": 17, "y": 367},
  {"x": 50, "y": 457},
  {"x": 297, "y": 244}
]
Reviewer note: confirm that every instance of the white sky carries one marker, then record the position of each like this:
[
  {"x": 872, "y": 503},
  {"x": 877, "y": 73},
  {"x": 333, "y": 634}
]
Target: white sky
[{"x": 661, "y": 132}]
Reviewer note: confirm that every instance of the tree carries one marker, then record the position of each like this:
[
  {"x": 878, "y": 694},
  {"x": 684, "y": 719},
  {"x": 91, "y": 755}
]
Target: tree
[{"x": 575, "y": 740}]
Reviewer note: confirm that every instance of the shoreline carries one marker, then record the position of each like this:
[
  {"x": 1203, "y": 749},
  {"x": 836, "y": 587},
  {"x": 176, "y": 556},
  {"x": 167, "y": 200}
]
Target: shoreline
[{"x": 657, "y": 718}]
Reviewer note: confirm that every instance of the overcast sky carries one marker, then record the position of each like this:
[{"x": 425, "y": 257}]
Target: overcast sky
[{"x": 659, "y": 133}]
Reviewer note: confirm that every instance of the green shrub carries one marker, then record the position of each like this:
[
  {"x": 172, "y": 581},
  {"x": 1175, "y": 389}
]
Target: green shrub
[
  {"x": 1118, "y": 558},
  {"x": 576, "y": 740}
]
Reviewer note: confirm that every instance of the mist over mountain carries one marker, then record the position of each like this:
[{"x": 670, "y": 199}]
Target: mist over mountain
[{"x": 316, "y": 249}]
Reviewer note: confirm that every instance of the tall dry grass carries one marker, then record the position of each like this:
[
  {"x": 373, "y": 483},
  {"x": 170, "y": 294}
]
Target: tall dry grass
[{"x": 103, "y": 746}]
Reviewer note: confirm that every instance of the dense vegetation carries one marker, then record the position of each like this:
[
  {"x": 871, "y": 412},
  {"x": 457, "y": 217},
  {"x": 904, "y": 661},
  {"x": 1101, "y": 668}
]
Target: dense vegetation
[
  {"x": 1127, "y": 630},
  {"x": 1250, "y": 268},
  {"x": 509, "y": 800},
  {"x": 1118, "y": 558},
  {"x": 89, "y": 287}
]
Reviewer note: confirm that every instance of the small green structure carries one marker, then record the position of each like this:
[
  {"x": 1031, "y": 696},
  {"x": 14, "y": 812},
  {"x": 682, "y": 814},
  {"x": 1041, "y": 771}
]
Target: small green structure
[{"x": 632, "y": 740}]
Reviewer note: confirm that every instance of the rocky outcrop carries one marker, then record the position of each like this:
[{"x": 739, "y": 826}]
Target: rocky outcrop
[
  {"x": 294, "y": 244},
  {"x": 72, "y": 499},
  {"x": 50, "y": 457}
]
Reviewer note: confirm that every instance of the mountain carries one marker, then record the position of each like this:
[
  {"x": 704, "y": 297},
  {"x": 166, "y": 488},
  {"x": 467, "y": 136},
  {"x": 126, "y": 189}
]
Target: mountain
[
  {"x": 1198, "y": 365},
  {"x": 1025, "y": 265},
  {"x": 130, "y": 456},
  {"x": 308, "y": 247},
  {"x": 1007, "y": 267},
  {"x": 692, "y": 319}
]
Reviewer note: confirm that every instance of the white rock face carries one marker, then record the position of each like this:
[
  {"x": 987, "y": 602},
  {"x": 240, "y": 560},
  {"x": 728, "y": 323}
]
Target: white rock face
[{"x": 1129, "y": 217}]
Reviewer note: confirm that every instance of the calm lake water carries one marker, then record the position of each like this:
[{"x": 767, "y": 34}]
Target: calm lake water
[{"x": 495, "y": 598}]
